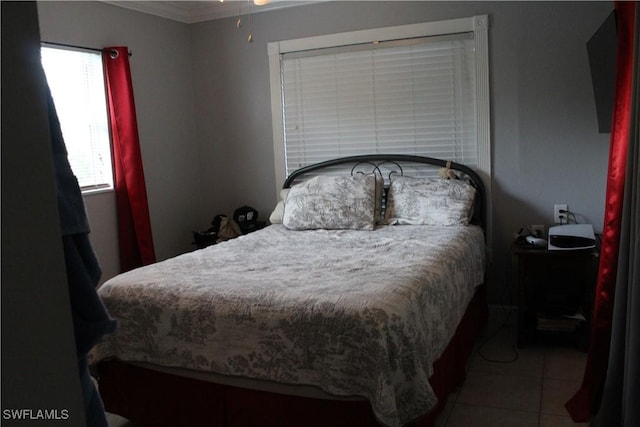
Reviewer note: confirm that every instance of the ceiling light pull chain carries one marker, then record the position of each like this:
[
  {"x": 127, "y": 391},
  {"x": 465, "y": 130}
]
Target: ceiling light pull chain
[
  {"x": 239, "y": 19},
  {"x": 250, "y": 38},
  {"x": 239, "y": 15}
]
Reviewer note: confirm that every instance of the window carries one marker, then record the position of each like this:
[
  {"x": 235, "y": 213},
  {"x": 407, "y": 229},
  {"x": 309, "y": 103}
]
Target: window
[
  {"x": 416, "y": 89},
  {"x": 77, "y": 85},
  {"x": 411, "y": 97}
]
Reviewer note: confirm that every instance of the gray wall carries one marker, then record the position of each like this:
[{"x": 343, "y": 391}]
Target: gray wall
[
  {"x": 39, "y": 366},
  {"x": 164, "y": 95},
  {"x": 545, "y": 146}
]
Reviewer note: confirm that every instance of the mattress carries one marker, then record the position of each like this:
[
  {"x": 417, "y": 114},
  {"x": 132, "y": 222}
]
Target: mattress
[{"x": 353, "y": 313}]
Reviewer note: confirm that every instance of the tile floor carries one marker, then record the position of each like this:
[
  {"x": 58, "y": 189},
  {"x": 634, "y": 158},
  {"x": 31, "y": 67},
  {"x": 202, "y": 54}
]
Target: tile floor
[{"x": 529, "y": 391}]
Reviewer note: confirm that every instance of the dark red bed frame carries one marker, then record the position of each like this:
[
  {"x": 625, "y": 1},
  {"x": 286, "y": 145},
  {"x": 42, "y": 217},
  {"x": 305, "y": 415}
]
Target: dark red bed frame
[{"x": 153, "y": 399}]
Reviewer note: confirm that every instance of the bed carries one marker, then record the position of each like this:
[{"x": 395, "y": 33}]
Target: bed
[{"x": 358, "y": 306}]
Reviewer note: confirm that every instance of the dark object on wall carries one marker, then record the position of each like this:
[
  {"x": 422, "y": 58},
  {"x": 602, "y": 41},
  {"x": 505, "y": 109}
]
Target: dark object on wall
[{"x": 601, "y": 49}]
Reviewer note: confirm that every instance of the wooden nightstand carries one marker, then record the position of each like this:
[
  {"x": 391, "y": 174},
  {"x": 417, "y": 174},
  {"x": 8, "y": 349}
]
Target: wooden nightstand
[{"x": 555, "y": 292}]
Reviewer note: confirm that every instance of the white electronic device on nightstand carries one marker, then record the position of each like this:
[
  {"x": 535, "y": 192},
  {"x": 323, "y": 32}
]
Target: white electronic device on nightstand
[{"x": 571, "y": 237}]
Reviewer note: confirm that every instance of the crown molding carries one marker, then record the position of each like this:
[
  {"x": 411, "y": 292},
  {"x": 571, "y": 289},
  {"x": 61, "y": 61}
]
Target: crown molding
[{"x": 190, "y": 12}]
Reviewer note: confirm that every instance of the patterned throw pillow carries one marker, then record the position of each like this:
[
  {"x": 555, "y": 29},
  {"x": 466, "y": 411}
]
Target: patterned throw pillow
[
  {"x": 429, "y": 201},
  {"x": 332, "y": 203}
]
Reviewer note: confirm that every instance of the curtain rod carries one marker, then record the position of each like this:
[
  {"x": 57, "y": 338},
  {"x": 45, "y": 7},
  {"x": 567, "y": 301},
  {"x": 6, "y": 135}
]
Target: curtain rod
[{"x": 77, "y": 47}]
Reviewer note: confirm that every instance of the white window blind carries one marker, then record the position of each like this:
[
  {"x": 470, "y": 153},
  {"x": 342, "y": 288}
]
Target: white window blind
[
  {"x": 415, "y": 96},
  {"x": 76, "y": 80}
]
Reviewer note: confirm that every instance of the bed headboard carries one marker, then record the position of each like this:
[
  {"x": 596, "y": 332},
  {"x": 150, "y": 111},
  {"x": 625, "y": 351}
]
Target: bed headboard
[{"x": 386, "y": 165}]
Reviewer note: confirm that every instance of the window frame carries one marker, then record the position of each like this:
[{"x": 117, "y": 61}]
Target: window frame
[
  {"x": 477, "y": 24},
  {"x": 107, "y": 186}
]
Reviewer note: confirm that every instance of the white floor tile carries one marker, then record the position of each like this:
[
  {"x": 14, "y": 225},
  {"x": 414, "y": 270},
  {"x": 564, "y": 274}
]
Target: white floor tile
[
  {"x": 502, "y": 391},
  {"x": 558, "y": 421},
  {"x": 482, "y": 416}
]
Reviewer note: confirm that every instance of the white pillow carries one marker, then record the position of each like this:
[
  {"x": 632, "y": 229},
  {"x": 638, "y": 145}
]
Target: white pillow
[
  {"x": 332, "y": 203},
  {"x": 429, "y": 201},
  {"x": 278, "y": 211}
]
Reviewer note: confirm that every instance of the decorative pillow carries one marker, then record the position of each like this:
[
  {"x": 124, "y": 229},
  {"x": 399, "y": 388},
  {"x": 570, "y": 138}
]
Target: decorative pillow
[
  {"x": 379, "y": 193},
  {"x": 328, "y": 202},
  {"x": 278, "y": 211},
  {"x": 429, "y": 201}
]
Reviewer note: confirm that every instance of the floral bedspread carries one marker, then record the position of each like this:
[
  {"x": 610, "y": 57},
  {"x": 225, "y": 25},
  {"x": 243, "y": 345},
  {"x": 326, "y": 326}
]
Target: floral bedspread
[{"x": 356, "y": 313}]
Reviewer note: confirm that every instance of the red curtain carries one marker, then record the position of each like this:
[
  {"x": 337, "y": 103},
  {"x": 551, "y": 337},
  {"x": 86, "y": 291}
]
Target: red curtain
[
  {"x": 587, "y": 400},
  {"x": 134, "y": 225}
]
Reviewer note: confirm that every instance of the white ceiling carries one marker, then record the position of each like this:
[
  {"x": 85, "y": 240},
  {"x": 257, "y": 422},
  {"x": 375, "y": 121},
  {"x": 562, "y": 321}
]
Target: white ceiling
[{"x": 190, "y": 12}]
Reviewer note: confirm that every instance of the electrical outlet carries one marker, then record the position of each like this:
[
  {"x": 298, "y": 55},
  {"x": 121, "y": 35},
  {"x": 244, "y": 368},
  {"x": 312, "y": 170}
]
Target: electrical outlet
[{"x": 560, "y": 217}]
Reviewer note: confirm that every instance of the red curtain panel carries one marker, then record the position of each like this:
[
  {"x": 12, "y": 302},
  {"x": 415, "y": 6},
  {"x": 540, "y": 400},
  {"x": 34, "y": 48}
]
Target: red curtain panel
[
  {"x": 587, "y": 399},
  {"x": 134, "y": 225}
]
